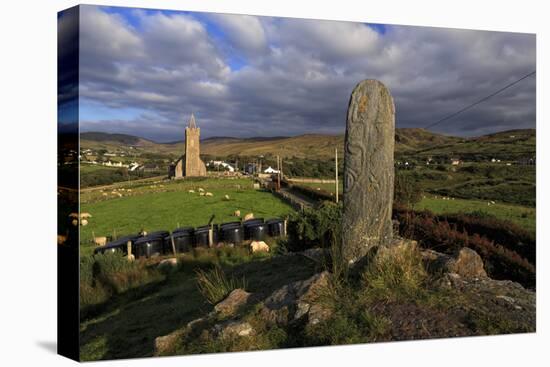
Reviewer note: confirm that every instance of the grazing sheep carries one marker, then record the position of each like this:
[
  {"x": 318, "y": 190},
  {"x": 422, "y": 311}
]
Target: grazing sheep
[
  {"x": 100, "y": 241},
  {"x": 85, "y": 215},
  {"x": 104, "y": 194},
  {"x": 201, "y": 189},
  {"x": 259, "y": 246},
  {"x": 248, "y": 216},
  {"x": 84, "y": 222},
  {"x": 237, "y": 213},
  {"x": 191, "y": 191},
  {"x": 201, "y": 193},
  {"x": 208, "y": 194},
  {"x": 74, "y": 222},
  {"x": 226, "y": 197}
]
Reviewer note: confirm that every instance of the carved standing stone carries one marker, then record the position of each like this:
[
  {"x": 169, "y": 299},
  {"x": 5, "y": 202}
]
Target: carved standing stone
[{"x": 368, "y": 170}]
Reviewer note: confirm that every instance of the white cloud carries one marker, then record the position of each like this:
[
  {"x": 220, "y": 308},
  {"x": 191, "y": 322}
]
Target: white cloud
[
  {"x": 300, "y": 72},
  {"x": 244, "y": 31}
]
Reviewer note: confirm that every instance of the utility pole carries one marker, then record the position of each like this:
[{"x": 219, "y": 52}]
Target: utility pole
[
  {"x": 278, "y": 174},
  {"x": 336, "y": 166}
]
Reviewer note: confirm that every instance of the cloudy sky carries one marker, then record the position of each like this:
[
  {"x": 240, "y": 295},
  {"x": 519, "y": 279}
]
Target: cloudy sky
[{"x": 143, "y": 72}]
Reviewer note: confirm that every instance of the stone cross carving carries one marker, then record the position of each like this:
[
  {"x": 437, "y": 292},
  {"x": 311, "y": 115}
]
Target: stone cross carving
[{"x": 368, "y": 170}]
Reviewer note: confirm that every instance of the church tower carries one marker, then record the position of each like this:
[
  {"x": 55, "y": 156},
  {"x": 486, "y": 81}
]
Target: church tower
[
  {"x": 190, "y": 164},
  {"x": 192, "y": 149}
]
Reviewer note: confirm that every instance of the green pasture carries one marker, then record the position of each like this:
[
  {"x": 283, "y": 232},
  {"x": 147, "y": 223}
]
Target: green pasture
[
  {"x": 521, "y": 215},
  {"x": 167, "y": 205}
]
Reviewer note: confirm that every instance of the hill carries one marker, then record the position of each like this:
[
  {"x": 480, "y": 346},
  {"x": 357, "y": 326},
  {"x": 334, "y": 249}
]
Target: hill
[
  {"x": 505, "y": 145},
  {"x": 415, "y": 142}
]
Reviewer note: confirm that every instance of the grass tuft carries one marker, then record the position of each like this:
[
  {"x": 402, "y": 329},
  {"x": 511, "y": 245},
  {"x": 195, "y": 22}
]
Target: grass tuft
[{"x": 215, "y": 286}]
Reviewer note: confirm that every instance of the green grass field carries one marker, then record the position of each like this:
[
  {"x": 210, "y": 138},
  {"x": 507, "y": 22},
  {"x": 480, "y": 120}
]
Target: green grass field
[
  {"x": 521, "y": 215},
  {"x": 167, "y": 205}
]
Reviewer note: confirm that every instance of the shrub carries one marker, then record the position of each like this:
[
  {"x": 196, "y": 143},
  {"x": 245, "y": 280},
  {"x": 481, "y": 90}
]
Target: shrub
[
  {"x": 104, "y": 275},
  {"x": 314, "y": 227},
  {"x": 214, "y": 285},
  {"x": 439, "y": 234},
  {"x": 407, "y": 191}
]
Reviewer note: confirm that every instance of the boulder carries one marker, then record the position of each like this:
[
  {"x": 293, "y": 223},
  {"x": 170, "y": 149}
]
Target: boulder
[
  {"x": 293, "y": 302},
  {"x": 466, "y": 263},
  {"x": 166, "y": 344},
  {"x": 231, "y": 304}
]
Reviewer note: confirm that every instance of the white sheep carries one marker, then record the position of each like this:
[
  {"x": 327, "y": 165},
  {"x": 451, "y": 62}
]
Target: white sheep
[
  {"x": 208, "y": 194},
  {"x": 259, "y": 246},
  {"x": 248, "y": 216},
  {"x": 99, "y": 241}
]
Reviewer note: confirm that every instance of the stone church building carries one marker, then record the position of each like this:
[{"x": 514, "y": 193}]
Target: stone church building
[{"x": 189, "y": 164}]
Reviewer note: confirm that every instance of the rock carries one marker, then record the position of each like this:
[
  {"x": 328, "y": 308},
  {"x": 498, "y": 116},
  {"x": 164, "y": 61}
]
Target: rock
[
  {"x": 256, "y": 185},
  {"x": 248, "y": 216},
  {"x": 168, "y": 263},
  {"x": 165, "y": 344},
  {"x": 294, "y": 301},
  {"x": 259, "y": 246},
  {"x": 232, "y": 328},
  {"x": 368, "y": 170},
  {"x": 231, "y": 304},
  {"x": 466, "y": 263}
]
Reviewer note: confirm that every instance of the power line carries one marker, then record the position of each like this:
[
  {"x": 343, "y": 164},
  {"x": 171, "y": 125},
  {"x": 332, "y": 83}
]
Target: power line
[{"x": 480, "y": 101}]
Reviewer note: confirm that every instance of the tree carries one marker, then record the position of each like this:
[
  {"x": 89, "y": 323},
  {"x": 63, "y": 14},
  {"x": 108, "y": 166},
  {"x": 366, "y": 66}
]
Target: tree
[{"x": 407, "y": 191}]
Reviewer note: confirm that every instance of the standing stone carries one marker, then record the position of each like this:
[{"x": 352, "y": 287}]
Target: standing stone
[{"x": 368, "y": 170}]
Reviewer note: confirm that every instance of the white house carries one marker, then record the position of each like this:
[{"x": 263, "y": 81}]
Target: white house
[
  {"x": 225, "y": 165},
  {"x": 270, "y": 170}
]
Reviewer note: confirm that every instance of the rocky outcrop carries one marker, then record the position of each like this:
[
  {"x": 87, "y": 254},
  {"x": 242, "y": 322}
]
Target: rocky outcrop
[
  {"x": 466, "y": 263},
  {"x": 232, "y": 328},
  {"x": 293, "y": 302},
  {"x": 233, "y": 302}
]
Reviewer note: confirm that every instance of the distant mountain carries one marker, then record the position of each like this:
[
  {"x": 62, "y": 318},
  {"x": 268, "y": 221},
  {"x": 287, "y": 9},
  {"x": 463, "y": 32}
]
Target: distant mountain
[
  {"x": 113, "y": 138},
  {"x": 409, "y": 142},
  {"x": 508, "y": 145}
]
